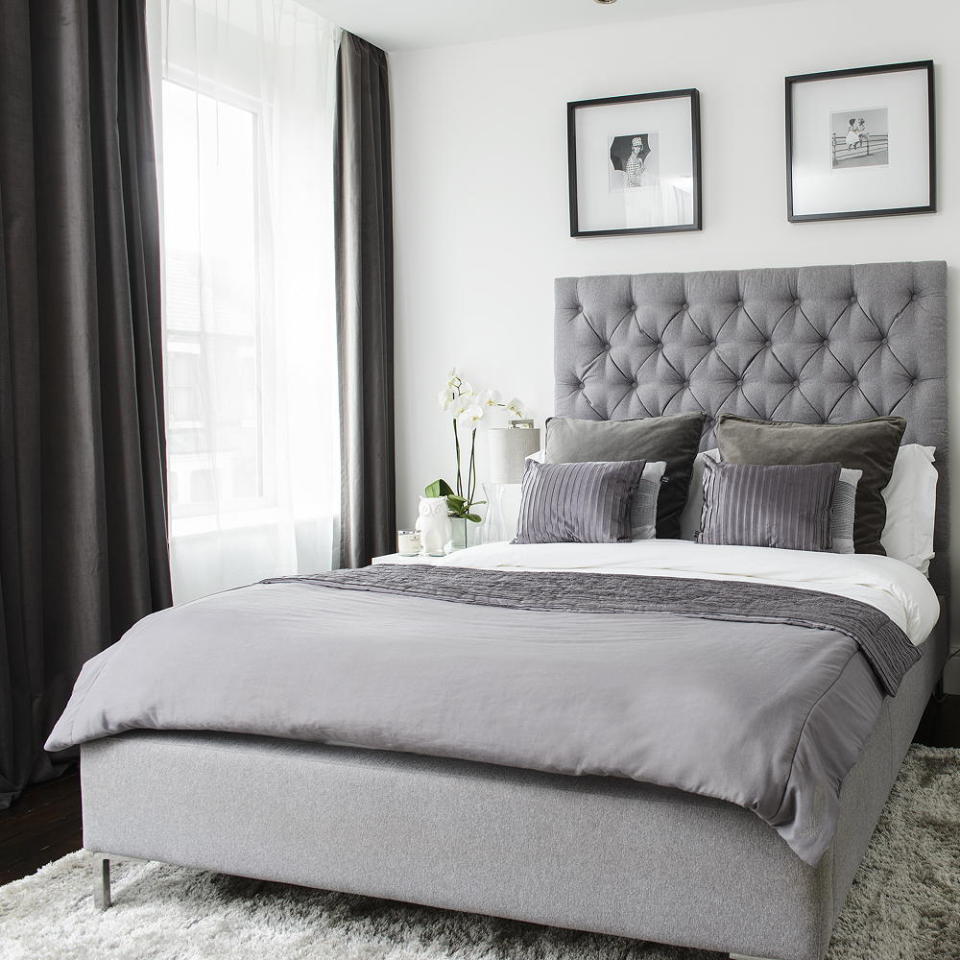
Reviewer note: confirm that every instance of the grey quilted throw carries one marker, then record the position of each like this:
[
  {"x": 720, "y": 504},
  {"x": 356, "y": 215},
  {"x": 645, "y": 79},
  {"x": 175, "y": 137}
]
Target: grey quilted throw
[
  {"x": 886, "y": 647},
  {"x": 760, "y": 696}
]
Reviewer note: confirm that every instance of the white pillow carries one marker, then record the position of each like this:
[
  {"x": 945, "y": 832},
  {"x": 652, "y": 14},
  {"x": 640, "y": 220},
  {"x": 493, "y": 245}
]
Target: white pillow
[{"x": 911, "y": 499}]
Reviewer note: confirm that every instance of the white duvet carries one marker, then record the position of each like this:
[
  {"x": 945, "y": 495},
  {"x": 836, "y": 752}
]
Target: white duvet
[{"x": 901, "y": 592}]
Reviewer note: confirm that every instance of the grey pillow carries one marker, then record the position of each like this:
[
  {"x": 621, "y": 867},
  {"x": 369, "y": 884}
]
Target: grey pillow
[
  {"x": 768, "y": 506},
  {"x": 867, "y": 445},
  {"x": 643, "y": 510},
  {"x": 577, "y": 502},
  {"x": 843, "y": 511},
  {"x": 693, "y": 509},
  {"x": 674, "y": 439}
]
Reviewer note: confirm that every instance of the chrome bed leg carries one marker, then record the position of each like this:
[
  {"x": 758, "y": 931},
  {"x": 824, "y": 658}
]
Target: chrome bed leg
[
  {"x": 101, "y": 882},
  {"x": 741, "y": 956}
]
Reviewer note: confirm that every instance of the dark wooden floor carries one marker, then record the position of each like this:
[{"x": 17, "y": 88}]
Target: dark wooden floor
[{"x": 44, "y": 824}]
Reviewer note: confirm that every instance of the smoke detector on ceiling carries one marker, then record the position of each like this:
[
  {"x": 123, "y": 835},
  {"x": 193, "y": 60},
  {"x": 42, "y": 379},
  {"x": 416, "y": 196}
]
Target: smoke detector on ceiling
[{"x": 604, "y": 2}]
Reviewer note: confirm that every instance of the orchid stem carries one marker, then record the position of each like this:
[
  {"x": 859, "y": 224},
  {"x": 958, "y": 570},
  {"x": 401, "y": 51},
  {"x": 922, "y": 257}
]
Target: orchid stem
[
  {"x": 472, "y": 472},
  {"x": 456, "y": 441}
]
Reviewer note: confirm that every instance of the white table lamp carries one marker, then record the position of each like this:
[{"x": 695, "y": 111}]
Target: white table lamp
[{"x": 509, "y": 447}]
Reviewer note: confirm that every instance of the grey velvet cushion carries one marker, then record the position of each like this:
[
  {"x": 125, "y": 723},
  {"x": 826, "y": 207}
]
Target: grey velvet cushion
[
  {"x": 674, "y": 439},
  {"x": 867, "y": 445},
  {"x": 786, "y": 506},
  {"x": 577, "y": 502}
]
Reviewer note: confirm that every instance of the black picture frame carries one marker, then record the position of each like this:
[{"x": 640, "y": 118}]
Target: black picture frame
[
  {"x": 697, "y": 222},
  {"x": 789, "y": 87}
]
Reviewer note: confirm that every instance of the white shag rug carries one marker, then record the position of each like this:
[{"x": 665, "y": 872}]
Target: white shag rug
[{"x": 905, "y": 905}]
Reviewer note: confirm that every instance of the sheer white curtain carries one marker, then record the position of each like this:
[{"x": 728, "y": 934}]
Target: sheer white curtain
[{"x": 244, "y": 96}]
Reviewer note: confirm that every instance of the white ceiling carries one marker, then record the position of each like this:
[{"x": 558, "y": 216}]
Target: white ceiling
[{"x": 412, "y": 24}]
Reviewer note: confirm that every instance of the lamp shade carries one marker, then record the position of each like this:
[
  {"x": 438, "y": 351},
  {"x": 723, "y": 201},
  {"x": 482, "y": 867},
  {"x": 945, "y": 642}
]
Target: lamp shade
[{"x": 509, "y": 448}]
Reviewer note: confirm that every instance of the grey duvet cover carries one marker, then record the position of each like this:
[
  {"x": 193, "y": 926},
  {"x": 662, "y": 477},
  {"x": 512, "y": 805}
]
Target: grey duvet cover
[{"x": 762, "y": 696}]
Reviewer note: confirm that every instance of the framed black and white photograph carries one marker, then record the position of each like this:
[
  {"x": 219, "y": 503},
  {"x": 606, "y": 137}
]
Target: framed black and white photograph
[
  {"x": 634, "y": 164},
  {"x": 861, "y": 142}
]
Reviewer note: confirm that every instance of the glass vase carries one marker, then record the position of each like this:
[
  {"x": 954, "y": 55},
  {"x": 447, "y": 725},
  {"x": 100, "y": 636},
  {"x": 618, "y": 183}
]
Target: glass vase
[{"x": 466, "y": 533}]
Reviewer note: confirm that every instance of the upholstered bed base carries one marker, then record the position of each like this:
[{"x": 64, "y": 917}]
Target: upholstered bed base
[{"x": 591, "y": 853}]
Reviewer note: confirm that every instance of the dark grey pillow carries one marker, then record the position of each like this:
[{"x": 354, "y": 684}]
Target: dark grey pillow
[
  {"x": 577, "y": 502},
  {"x": 674, "y": 439},
  {"x": 768, "y": 506},
  {"x": 868, "y": 445}
]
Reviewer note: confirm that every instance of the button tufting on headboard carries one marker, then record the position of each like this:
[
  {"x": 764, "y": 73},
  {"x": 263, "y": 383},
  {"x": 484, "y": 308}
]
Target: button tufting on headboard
[{"x": 814, "y": 344}]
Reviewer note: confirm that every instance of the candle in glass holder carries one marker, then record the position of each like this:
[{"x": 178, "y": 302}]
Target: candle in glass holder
[{"x": 408, "y": 543}]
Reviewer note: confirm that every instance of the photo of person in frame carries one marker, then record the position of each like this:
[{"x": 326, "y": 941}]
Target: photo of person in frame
[
  {"x": 859, "y": 138},
  {"x": 632, "y": 161}
]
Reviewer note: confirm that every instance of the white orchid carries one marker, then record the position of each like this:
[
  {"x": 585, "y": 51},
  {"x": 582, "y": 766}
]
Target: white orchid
[
  {"x": 492, "y": 398},
  {"x": 454, "y": 392},
  {"x": 466, "y": 408},
  {"x": 456, "y": 382},
  {"x": 470, "y": 416},
  {"x": 466, "y": 411}
]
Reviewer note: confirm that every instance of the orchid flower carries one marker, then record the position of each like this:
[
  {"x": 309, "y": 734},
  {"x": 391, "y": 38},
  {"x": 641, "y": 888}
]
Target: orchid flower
[
  {"x": 467, "y": 408},
  {"x": 470, "y": 415}
]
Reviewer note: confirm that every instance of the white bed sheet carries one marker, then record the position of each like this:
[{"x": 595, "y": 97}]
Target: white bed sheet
[{"x": 901, "y": 592}]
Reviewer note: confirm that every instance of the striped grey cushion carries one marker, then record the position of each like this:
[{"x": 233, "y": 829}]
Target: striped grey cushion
[
  {"x": 768, "y": 506},
  {"x": 577, "y": 502}
]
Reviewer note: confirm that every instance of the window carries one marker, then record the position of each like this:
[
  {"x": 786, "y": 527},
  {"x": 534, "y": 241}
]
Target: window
[
  {"x": 214, "y": 336},
  {"x": 244, "y": 116}
]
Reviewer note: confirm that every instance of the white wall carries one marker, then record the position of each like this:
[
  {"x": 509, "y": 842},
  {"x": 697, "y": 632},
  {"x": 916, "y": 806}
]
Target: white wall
[{"x": 480, "y": 183}]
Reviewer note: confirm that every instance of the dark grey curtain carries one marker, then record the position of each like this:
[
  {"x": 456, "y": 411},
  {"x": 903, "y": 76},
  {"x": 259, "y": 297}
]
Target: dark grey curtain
[
  {"x": 364, "y": 251},
  {"x": 83, "y": 546}
]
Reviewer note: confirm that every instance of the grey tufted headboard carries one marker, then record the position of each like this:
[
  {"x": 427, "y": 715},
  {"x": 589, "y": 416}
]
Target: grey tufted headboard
[{"x": 813, "y": 344}]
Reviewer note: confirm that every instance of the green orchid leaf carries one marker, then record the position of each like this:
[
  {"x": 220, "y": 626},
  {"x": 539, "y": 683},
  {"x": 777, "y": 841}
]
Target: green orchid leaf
[
  {"x": 475, "y": 517},
  {"x": 439, "y": 488}
]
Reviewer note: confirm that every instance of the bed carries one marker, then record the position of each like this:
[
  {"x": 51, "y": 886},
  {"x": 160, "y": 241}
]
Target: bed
[{"x": 601, "y": 853}]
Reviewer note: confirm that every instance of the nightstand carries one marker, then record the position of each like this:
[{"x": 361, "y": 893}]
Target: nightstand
[{"x": 396, "y": 558}]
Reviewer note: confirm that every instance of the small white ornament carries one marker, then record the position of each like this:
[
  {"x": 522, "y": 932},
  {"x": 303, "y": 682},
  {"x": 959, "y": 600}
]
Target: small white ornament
[{"x": 434, "y": 525}]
